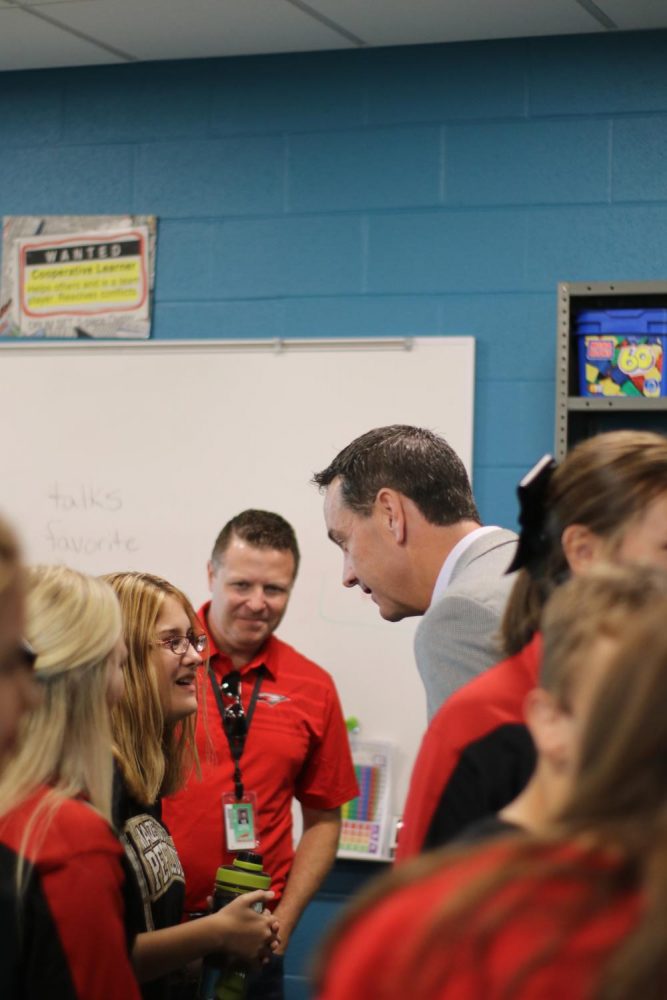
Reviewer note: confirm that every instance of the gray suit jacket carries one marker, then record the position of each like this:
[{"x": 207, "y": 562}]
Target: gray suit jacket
[{"x": 458, "y": 637}]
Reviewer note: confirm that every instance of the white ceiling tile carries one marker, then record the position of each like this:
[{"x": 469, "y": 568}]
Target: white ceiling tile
[
  {"x": 174, "y": 29},
  {"x": 50, "y": 3},
  {"x": 406, "y": 22},
  {"x": 28, "y": 42},
  {"x": 637, "y": 14},
  {"x": 182, "y": 29}
]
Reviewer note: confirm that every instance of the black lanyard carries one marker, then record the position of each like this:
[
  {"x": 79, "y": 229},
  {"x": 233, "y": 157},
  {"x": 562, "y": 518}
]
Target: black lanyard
[{"x": 236, "y": 722}]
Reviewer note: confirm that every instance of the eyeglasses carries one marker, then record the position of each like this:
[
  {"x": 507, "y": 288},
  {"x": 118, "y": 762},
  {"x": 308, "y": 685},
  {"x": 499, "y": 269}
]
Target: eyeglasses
[{"x": 179, "y": 644}]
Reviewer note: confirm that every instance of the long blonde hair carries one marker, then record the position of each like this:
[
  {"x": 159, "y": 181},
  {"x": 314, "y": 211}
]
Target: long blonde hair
[
  {"x": 72, "y": 622},
  {"x": 153, "y": 754}
]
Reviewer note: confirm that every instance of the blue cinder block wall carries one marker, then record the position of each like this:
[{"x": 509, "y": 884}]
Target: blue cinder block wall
[
  {"x": 420, "y": 190},
  {"x": 423, "y": 190}
]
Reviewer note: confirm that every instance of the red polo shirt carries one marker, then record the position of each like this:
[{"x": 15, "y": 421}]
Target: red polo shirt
[{"x": 297, "y": 747}]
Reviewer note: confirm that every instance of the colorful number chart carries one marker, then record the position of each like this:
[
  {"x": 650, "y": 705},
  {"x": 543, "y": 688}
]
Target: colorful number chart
[{"x": 366, "y": 819}]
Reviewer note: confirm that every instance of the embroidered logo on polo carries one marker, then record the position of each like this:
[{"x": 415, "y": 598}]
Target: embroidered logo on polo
[
  {"x": 272, "y": 699},
  {"x": 154, "y": 850}
]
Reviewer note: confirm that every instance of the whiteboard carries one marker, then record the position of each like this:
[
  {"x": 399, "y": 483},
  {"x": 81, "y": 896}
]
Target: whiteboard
[{"x": 133, "y": 456}]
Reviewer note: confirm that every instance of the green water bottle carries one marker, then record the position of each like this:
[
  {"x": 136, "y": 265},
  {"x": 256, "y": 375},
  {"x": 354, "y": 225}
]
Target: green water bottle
[{"x": 245, "y": 874}]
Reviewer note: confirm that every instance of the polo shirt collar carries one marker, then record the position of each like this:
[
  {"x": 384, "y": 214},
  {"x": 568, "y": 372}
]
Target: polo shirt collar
[{"x": 222, "y": 664}]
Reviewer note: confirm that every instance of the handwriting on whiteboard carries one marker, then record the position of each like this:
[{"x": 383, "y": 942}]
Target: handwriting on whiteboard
[
  {"x": 85, "y": 498},
  {"x": 80, "y": 525}
]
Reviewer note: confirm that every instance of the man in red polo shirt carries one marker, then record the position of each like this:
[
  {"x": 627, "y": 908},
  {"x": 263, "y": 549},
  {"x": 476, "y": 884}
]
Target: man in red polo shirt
[{"x": 272, "y": 730}]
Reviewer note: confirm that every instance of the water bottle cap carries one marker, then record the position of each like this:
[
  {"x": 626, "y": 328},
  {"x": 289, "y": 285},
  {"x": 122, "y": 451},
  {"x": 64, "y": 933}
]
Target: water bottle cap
[
  {"x": 249, "y": 860},
  {"x": 236, "y": 879}
]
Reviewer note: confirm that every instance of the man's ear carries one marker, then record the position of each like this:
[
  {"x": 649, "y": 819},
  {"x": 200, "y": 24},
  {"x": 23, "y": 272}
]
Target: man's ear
[
  {"x": 582, "y": 547},
  {"x": 549, "y": 726},
  {"x": 210, "y": 570},
  {"x": 391, "y": 509}
]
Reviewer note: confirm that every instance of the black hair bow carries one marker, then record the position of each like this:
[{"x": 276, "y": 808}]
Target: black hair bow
[{"x": 533, "y": 539}]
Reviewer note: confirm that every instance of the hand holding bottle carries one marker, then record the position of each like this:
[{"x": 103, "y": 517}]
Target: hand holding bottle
[{"x": 248, "y": 930}]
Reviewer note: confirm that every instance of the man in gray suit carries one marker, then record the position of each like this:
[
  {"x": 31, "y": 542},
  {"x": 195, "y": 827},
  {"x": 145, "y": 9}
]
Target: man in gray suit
[{"x": 399, "y": 505}]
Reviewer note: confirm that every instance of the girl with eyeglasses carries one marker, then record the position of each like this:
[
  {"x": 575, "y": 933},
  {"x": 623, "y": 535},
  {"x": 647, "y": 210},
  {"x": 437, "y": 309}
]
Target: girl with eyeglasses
[
  {"x": 62, "y": 871},
  {"x": 153, "y": 732}
]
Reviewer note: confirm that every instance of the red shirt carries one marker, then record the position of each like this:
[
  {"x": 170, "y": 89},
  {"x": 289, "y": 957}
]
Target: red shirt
[
  {"x": 485, "y": 705},
  {"x": 297, "y": 747},
  {"x": 376, "y": 958},
  {"x": 71, "y": 942}
]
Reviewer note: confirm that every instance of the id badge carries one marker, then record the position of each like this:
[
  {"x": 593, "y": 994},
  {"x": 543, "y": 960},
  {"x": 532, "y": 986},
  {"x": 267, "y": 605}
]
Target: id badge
[{"x": 240, "y": 821}]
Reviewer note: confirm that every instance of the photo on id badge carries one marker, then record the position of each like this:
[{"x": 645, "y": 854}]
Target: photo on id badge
[{"x": 239, "y": 817}]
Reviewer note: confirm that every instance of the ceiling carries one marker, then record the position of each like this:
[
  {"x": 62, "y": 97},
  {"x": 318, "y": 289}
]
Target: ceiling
[{"x": 48, "y": 33}]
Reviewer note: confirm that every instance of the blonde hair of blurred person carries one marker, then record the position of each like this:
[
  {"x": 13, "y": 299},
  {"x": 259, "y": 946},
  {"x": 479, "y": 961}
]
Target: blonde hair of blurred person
[
  {"x": 153, "y": 732},
  {"x": 18, "y": 690},
  {"x": 73, "y": 624},
  {"x": 579, "y": 911},
  {"x": 59, "y": 851},
  {"x": 583, "y": 623}
]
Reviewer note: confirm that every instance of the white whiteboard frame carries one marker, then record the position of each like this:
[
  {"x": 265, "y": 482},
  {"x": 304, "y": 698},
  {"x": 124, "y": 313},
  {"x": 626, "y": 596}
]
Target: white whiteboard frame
[
  {"x": 275, "y": 344},
  {"x": 395, "y": 711}
]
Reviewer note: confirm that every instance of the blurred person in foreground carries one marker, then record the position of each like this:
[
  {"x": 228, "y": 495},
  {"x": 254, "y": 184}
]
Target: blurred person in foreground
[
  {"x": 62, "y": 868},
  {"x": 578, "y": 911},
  {"x": 583, "y": 623}
]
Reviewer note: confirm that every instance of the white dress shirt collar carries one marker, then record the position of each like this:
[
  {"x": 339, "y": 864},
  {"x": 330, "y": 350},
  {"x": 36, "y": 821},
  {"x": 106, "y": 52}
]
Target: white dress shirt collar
[{"x": 445, "y": 574}]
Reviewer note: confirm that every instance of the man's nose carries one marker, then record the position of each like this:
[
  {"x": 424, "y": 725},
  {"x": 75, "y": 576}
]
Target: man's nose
[
  {"x": 255, "y": 599},
  {"x": 349, "y": 575}
]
